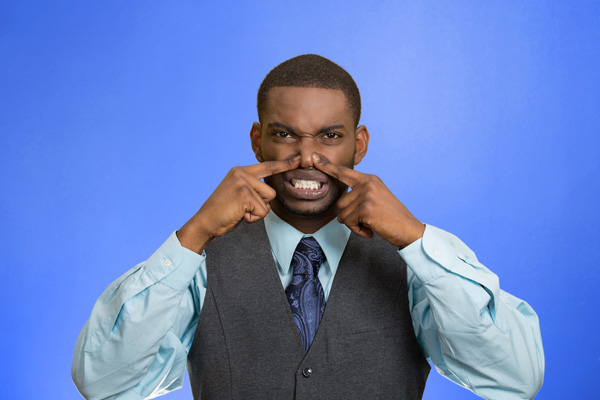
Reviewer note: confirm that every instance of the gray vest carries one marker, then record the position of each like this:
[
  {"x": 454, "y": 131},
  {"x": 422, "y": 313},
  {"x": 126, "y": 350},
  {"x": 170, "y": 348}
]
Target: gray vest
[{"x": 247, "y": 345}]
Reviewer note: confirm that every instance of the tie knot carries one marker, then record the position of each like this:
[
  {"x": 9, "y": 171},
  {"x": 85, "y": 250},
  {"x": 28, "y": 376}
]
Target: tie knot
[{"x": 308, "y": 257}]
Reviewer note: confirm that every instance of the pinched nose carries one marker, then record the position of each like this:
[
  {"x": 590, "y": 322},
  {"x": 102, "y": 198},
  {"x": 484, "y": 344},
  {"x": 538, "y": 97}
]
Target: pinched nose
[
  {"x": 305, "y": 149},
  {"x": 306, "y": 160}
]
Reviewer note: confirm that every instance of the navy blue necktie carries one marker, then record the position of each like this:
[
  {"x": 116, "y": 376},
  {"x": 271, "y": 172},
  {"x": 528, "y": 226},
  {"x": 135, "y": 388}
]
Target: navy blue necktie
[{"x": 305, "y": 293}]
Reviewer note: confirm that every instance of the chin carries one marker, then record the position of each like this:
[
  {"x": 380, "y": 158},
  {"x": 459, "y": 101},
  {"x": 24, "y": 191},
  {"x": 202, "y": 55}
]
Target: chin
[{"x": 309, "y": 210}]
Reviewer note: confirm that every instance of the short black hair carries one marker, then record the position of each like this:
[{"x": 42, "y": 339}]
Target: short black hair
[{"x": 310, "y": 71}]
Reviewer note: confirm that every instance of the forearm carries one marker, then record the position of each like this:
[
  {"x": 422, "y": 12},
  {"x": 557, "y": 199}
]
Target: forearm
[
  {"x": 477, "y": 335},
  {"x": 141, "y": 327}
]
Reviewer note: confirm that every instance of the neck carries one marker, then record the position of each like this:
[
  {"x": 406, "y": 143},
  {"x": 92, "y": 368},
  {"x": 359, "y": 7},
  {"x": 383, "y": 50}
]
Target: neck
[{"x": 305, "y": 224}]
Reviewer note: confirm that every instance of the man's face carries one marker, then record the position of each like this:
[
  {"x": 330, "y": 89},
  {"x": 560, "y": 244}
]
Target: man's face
[{"x": 300, "y": 121}]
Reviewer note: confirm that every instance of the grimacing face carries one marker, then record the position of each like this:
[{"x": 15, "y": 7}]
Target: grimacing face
[{"x": 302, "y": 121}]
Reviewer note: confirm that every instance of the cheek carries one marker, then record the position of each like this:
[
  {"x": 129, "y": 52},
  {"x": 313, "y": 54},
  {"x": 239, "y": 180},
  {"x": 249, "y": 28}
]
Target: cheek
[
  {"x": 338, "y": 156},
  {"x": 271, "y": 152}
]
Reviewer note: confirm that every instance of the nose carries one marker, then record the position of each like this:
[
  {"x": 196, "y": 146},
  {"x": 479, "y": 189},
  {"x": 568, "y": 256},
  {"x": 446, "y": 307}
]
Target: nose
[{"x": 306, "y": 149}]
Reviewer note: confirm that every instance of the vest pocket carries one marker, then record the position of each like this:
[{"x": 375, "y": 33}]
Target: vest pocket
[{"x": 381, "y": 362}]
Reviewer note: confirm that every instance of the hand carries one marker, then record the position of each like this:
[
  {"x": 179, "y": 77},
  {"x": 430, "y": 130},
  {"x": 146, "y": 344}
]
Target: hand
[
  {"x": 240, "y": 195},
  {"x": 371, "y": 207}
]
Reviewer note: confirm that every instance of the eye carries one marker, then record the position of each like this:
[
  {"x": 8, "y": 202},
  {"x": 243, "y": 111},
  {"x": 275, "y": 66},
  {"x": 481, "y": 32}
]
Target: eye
[
  {"x": 332, "y": 135},
  {"x": 282, "y": 134}
]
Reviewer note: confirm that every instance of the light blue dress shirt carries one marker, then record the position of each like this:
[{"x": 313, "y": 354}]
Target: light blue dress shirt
[{"x": 135, "y": 344}]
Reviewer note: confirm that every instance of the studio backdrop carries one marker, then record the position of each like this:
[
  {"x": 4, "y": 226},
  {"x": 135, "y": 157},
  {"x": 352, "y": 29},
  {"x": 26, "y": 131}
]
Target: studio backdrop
[{"x": 118, "y": 119}]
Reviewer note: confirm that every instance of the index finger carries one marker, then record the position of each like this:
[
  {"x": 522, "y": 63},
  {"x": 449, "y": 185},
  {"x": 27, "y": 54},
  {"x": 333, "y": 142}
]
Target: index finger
[
  {"x": 268, "y": 168},
  {"x": 342, "y": 173}
]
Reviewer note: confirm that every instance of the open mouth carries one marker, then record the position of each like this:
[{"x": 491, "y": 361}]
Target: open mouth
[
  {"x": 306, "y": 184},
  {"x": 306, "y": 189}
]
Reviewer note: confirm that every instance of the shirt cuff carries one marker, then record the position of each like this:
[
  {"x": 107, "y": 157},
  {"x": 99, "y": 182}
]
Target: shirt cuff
[{"x": 173, "y": 265}]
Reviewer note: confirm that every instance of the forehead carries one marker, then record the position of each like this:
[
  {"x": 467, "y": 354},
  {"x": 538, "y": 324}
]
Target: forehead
[{"x": 307, "y": 108}]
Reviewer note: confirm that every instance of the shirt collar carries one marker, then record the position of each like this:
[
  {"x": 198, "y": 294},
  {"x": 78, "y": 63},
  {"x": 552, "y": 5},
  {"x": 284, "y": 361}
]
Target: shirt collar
[{"x": 284, "y": 239}]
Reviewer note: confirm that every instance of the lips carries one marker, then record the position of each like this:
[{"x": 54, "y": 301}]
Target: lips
[{"x": 306, "y": 175}]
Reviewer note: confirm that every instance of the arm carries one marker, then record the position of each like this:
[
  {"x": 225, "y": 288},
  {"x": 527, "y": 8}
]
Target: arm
[
  {"x": 136, "y": 341},
  {"x": 475, "y": 334}
]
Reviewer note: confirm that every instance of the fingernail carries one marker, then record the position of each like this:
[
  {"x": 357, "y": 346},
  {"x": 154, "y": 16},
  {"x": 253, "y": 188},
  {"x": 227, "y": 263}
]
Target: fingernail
[{"x": 316, "y": 157}]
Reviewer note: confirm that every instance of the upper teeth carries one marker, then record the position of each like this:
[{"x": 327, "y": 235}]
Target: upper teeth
[{"x": 302, "y": 184}]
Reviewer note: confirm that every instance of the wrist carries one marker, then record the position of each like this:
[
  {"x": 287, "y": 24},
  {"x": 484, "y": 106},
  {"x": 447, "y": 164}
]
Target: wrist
[
  {"x": 194, "y": 236},
  {"x": 412, "y": 235}
]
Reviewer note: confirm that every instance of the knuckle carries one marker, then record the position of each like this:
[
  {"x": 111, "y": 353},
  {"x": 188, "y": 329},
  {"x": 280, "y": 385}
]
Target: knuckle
[
  {"x": 244, "y": 191},
  {"x": 250, "y": 204},
  {"x": 371, "y": 184},
  {"x": 368, "y": 206},
  {"x": 239, "y": 183},
  {"x": 236, "y": 172},
  {"x": 370, "y": 195},
  {"x": 261, "y": 212}
]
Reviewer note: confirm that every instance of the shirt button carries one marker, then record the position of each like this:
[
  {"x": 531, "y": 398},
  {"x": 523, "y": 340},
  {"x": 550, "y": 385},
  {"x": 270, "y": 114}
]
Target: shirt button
[
  {"x": 307, "y": 372},
  {"x": 436, "y": 253},
  {"x": 167, "y": 263}
]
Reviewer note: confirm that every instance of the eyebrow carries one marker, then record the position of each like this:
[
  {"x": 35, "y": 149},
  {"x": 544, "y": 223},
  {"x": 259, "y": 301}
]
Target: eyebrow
[{"x": 289, "y": 129}]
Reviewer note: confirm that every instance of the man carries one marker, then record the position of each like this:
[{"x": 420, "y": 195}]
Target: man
[{"x": 296, "y": 287}]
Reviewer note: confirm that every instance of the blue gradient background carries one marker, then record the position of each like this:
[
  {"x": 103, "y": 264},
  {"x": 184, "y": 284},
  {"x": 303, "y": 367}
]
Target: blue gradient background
[{"x": 118, "y": 119}]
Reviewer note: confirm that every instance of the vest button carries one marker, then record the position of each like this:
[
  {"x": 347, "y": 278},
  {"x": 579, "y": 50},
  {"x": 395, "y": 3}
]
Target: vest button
[{"x": 307, "y": 372}]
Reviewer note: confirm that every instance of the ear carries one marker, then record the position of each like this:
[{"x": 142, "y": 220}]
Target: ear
[
  {"x": 255, "y": 136},
  {"x": 362, "y": 143}
]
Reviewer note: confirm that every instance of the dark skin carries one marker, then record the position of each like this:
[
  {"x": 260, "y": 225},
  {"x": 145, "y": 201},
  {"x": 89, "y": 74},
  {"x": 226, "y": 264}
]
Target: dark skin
[{"x": 306, "y": 134}]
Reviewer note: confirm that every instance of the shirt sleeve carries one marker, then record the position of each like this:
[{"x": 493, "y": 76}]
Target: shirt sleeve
[
  {"x": 135, "y": 344},
  {"x": 475, "y": 334}
]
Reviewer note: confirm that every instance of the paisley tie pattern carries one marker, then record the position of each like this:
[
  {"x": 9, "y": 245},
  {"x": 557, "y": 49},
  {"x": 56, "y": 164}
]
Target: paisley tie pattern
[{"x": 305, "y": 293}]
